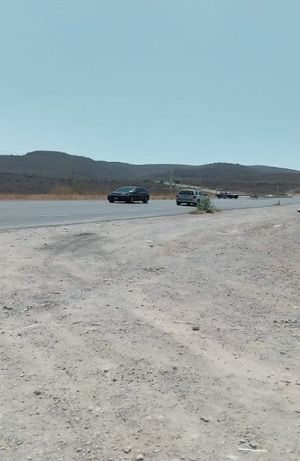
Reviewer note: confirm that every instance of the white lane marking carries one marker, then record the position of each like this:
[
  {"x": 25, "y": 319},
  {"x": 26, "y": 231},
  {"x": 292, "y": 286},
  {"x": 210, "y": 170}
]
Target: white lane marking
[
  {"x": 66, "y": 215},
  {"x": 101, "y": 212},
  {"x": 131, "y": 210},
  {"x": 51, "y": 215}
]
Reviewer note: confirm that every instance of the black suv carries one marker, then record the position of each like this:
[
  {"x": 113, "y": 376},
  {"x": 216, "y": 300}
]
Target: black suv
[
  {"x": 223, "y": 194},
  {"x": 129, "y": 194}
]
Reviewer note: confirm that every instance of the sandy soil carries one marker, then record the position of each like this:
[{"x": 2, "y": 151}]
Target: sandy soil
[{"x": 157, "y": 339}]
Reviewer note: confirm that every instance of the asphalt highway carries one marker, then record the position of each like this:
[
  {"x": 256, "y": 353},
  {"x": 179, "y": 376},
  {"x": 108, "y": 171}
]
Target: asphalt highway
[{"x": 20, "y": 214}]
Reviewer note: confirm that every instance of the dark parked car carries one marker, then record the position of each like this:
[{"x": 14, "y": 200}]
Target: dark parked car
[
  {"x": 129, "y": 194},
  {"x": 223, "y": 194}
]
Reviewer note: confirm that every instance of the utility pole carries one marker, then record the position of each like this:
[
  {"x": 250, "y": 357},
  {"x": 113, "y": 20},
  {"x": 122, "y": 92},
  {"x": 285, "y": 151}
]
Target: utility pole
[{"x": 171, "y": 181}]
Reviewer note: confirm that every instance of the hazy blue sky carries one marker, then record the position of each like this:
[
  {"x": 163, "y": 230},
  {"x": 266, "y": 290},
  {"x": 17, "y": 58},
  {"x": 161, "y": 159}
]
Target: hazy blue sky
[{"x": 152, "y": 81}]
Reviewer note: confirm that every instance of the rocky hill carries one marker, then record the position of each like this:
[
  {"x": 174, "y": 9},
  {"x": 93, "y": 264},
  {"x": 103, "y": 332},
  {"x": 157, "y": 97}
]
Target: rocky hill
[{"x": 50, "y": 171}]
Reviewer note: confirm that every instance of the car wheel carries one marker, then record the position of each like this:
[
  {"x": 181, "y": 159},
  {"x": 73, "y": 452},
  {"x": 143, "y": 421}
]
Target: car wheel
[
  {"x": 145, "y": 200},
  {"x": 111, "y": 200},
  {"x": 129, "y": 200},
  {"x": 178, "y": 203}
]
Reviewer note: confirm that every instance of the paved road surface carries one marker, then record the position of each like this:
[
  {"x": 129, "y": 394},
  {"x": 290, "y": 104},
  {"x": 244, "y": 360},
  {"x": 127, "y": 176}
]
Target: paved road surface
[{"x": 18, "y": 214}]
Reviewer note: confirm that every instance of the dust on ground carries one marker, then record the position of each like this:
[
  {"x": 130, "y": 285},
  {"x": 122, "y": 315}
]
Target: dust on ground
[{"x": 159, "y": 339}]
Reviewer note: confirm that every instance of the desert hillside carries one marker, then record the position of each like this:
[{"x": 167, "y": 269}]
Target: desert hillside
[{"x": 49, "y": 172}]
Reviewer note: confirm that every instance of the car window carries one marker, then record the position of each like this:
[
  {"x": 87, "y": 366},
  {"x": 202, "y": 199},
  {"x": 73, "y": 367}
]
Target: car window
[
  {"x": 126, "y": 189},
  {"x": 186, "y": 192}
]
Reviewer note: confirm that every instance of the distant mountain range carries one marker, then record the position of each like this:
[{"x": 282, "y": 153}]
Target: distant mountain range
[{"x": 50, "y": 171}]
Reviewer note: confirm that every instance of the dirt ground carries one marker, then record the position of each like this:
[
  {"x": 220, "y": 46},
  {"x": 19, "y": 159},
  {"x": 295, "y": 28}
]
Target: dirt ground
[{"x": 158, "y": 339}]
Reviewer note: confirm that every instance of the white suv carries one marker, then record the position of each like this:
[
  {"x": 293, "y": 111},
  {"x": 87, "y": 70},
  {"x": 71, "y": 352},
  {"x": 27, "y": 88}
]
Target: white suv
[{"x": 189, "y": 196}]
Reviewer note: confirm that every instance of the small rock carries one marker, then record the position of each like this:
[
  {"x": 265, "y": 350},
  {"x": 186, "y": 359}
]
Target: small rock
[
  {"x": 37, "y": 392},
  {"x": 7, "y": 308},
  {"x": 127, "y": 449},
  {"x": 195, "y": 328},
  {"x": 140, "y": 457},
  {"x": 253, "y": 445}
]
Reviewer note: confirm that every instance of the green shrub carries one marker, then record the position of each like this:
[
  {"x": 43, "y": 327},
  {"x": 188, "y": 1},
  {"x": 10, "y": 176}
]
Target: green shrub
[{"x": 205, "y": 205}]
